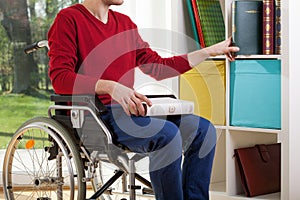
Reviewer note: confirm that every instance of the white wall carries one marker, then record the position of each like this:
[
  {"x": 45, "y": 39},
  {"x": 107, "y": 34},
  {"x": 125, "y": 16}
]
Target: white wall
[{"x": 294, "y": 98}]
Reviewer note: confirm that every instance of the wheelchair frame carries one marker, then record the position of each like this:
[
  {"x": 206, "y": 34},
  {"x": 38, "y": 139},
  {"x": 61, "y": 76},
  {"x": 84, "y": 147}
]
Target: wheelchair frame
[{"x": 67, "y": 162}]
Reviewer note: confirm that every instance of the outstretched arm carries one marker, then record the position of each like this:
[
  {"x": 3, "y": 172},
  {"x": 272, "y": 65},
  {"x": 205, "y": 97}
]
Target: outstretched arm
[
  {"x": 221, "y": 48},
  {"x": 131, "y": 101}
]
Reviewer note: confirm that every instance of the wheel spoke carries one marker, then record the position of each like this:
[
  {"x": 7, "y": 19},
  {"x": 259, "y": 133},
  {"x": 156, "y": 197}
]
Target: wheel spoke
[{"x": 29, "y": 174}]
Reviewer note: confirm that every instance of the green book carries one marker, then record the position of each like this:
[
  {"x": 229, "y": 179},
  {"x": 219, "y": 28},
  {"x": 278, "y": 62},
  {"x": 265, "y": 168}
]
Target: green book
[
  {"x": 212, "y": 21},
  {"x": 247, "y": 24}
]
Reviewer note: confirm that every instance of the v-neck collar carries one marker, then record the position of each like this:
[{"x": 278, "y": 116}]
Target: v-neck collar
[{"x": 95, "y": 18}]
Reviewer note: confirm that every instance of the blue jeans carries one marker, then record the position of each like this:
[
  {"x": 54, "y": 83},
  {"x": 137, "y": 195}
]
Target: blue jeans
[{"x": 164, "y": 140}]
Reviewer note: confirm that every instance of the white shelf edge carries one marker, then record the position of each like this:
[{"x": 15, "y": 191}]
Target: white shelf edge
[
  {"x": 258, "y": 57},
  {"x": 222, "y": 195},
  {"x": 223, "y": 127},
  {"x": 262, "y": 130},
  {"x": 248, "y": 129},
  {"x": 223, "y": 57},
  {"x": 272, "y": 196}
]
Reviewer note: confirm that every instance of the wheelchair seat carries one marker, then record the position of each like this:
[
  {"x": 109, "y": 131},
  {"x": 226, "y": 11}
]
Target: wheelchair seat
[{"x": 83, "y": 120}]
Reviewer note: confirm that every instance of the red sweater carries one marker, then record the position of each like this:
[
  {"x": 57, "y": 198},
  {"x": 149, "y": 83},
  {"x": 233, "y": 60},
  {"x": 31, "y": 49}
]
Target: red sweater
[{"x": 83, "y": 50}]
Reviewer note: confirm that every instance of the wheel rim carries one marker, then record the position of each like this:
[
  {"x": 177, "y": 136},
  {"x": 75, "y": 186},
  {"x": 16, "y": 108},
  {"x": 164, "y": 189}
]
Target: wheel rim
[{"x": 27, "y": 169}]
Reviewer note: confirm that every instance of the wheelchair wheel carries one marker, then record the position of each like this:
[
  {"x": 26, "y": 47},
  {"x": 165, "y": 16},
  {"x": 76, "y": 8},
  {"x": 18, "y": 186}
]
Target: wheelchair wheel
[{"x": 43, "y": 162}]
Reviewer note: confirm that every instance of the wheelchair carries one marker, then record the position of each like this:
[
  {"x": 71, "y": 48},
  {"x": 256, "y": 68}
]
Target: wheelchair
[{"x": 63, "y": 155}]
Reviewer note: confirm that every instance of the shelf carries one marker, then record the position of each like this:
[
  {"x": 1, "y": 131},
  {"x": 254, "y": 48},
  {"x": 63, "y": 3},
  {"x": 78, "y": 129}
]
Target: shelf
[
  {"x": 248, "y": 129},
  {"x": 257, "y": 130},
  {"x": 273, "y": 196},
  {"x": 258, "y": 57},
  {"x": 220, "y": 127},
  {"x": 224, "y": 196},
  {"x": 238, "y": 57}
]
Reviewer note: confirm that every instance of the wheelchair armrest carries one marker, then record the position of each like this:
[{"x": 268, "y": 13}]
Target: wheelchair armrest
[{"x": 91, "y": 100}]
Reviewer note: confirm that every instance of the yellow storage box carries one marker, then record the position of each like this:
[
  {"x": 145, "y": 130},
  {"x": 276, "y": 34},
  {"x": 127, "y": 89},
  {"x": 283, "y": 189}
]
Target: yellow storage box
[{"x": 205, "y": 85}]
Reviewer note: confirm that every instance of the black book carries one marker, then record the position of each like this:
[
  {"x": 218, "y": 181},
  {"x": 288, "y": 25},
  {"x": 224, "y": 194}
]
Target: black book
[{"x": 247, "y": 26}]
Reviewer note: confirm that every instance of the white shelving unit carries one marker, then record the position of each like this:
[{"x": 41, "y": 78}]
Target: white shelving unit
[
  {"x": 237, "y": 137},
  {"x": 225, "y": 184}
]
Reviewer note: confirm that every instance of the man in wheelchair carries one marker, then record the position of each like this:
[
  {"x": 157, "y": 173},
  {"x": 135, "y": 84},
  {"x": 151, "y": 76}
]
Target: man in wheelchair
[{"x": 95, "y": 50}]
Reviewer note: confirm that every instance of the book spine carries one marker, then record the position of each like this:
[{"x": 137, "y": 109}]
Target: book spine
[
  {"x": 233, "y": 15},
  {"x": 198, "y": 23},
  {"x": 193, "y": 22},
  {"x": 277, "y": 27},
  {"x": 268, "y": 26},
  {"x": 212, "y": 21},
  {"x": 247, "y": 26}
]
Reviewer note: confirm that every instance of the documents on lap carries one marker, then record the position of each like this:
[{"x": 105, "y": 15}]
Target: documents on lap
[{"x": 169, "y": 106}]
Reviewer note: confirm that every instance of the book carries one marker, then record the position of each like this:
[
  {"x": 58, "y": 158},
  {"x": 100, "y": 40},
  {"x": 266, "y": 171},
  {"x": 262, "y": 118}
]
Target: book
[
  {"x": 277, "y": 38},
  {"x": 193, "y": 22},
  {"x": 198, "y": 23},
  {"x": 247, "y": 26},
  {"x": 268, "y": 26},
  {"x": 212, "y": 21},
  {"x": 163, "y": 106}
]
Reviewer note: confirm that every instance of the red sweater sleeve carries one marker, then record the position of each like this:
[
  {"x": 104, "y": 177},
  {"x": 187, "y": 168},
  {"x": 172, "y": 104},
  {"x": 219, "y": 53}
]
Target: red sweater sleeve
[
  {"x": 157, "y": 67},
  {"x": 63, "y": 64}
]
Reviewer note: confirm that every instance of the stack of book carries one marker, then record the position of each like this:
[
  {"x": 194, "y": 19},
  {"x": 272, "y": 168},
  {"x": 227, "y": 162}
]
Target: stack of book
[
  {"x": 256, "y": 26},
  {"x": 207, "y": 21}
]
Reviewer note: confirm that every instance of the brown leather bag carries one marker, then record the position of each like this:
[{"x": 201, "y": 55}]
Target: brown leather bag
[{"x": 259, "y": 168}]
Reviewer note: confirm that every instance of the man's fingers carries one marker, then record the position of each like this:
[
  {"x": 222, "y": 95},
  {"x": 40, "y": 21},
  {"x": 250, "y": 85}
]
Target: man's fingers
[
  {"x": 139, "y": 99},
  {"x": 132, "y": 106},
  {"x": 143, "y": 98}
]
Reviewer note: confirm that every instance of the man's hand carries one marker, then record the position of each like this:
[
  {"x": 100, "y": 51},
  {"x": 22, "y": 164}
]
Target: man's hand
[
  {"x": 224, "y": 47},
  {"x": 130, "y": 100}
]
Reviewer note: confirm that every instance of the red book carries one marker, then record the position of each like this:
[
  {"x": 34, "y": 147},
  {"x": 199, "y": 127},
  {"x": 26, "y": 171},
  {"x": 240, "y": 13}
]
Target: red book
[
  {"x": 268, "y": 26},
  {"x": 198, "y": 23}
]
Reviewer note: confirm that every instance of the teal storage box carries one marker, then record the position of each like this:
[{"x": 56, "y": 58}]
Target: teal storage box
[{"x": 255, "y": 93}]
